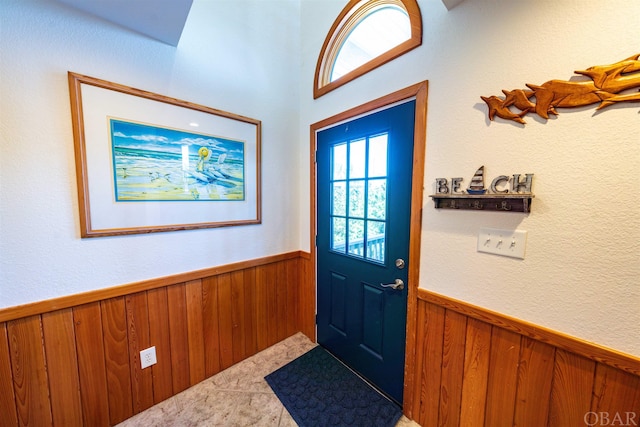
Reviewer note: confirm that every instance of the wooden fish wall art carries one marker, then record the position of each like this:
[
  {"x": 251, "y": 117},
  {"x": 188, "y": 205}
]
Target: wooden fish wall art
[{"x": 609, "y": 85}]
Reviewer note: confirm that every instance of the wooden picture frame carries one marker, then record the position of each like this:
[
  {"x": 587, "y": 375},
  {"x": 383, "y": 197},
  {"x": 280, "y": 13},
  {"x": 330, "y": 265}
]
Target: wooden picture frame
[{"x": 150, "y": 163}]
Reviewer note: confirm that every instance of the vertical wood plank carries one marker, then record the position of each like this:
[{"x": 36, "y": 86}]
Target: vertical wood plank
[
  {"x": 62, "y": 367},
  {"x": 7, "y": 397},
  {"x": 309, "y": 314},
  {"x": 210, "y": 325},
  {"x": 251, "y": 344},
  {"x": 428, "y": 363},
  {"x": 195, "y": 330},
  {"x": 503, "y": 377},
  {"x": 281, "y": 290},
  {"x": 159, "y": 337},
  {"x": 91, "y": 364},
  {"x": 178, "y": 336},
  {"x": 238, "y": 316},
  {"x": 308, "y": 299},
  {"x": 416, "y": 371},
  {"x": 116, "y": 351},
  {"x": 571, "y": 389},
  {"x": 615, "y": 392},
  {"x": 535, "y": 375},
  {"x": 29, "y": 371},
  {"x": 270, "y": 283},
  {"x": 476, "y": 372},
  {"x": 431, "y": 375},
  {"x": 455, "y": 326},
  {"x": 262, "y": 317},
  {"x": 225, "y": 320},
  {"x": 292, "y": 282},
  {"x": 138, "y": 334}
]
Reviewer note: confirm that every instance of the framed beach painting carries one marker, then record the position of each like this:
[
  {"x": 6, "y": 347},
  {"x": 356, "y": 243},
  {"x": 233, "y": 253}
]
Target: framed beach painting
[{"x": 149, "y": 163}]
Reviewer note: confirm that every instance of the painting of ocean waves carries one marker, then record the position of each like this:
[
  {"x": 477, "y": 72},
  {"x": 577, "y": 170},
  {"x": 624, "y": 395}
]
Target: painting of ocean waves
[{"x": 153, "y": 163}]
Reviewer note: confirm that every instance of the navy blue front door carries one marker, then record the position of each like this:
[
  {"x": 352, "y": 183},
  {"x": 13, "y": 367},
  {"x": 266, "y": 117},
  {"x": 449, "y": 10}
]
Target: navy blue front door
[{"x": 364, "y": 170}]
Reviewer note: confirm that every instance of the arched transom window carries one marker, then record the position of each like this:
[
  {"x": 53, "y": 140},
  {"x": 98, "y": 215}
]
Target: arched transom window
[{"x": 366, "y": 34}]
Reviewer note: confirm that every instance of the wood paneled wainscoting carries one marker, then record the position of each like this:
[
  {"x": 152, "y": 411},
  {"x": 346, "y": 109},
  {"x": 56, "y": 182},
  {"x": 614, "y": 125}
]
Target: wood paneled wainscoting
[
  {"x": 74, "y": 360},
  {"x": 472, "y": 367}
]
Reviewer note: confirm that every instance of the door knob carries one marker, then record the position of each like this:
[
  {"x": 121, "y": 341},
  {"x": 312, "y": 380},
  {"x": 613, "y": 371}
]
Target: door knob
[{"x": 398, "y": 284}]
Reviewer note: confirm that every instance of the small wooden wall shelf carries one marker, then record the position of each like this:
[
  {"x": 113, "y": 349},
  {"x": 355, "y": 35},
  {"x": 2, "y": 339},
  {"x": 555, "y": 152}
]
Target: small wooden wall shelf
[{"x": 510, "y": 202}]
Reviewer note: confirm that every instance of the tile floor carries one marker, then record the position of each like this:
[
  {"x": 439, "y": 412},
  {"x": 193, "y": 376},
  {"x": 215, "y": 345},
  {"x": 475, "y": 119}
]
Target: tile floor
[{"x": 236, "y": 397}]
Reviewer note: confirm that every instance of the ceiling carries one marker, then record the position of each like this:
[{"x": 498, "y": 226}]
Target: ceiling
[
  {"x": 450, "y": 4},
  {"x": 159, "y": 19}
]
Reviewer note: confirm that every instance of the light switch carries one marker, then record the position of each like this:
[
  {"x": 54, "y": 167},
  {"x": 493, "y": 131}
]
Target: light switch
[{"x": 509, "y": 243}]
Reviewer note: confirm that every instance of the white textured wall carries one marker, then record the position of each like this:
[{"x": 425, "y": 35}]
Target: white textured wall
[
  {"x": 581, "y": 275},
  {"x": 230, "y": 58}
]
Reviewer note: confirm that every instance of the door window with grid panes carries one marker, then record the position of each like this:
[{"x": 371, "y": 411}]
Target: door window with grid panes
[{"x": 359, "y": 197}]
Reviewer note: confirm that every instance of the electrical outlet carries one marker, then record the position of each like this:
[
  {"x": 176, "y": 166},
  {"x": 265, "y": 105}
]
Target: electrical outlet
[
  {"x": 509, "y": 243},
  {"x": 148, "y": 357}
]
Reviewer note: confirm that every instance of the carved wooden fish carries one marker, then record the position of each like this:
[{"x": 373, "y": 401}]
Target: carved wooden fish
[{"x": 497, "y": 108}]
